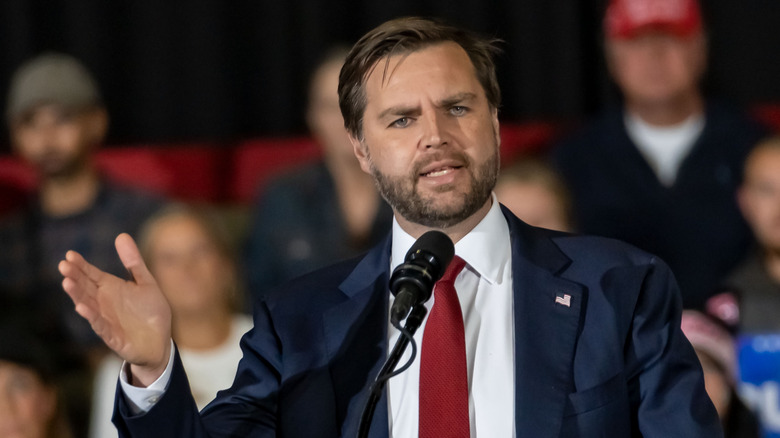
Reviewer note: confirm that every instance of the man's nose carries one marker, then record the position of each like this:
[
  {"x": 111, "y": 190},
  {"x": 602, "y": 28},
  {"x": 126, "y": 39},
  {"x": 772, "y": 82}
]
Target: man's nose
[{"x": 434, "y": 130}]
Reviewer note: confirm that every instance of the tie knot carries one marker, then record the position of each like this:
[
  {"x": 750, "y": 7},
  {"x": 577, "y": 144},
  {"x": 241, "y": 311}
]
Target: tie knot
[{"x": 456, "y": 265}]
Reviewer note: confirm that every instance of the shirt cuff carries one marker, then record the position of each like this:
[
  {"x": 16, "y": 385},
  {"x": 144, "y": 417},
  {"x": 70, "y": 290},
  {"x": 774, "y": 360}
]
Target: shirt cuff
[{"x": 141, "y": 400}]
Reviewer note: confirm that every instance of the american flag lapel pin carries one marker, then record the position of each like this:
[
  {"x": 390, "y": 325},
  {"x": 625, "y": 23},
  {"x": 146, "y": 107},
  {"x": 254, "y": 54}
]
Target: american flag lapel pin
[{"x": 563, "y": 299}]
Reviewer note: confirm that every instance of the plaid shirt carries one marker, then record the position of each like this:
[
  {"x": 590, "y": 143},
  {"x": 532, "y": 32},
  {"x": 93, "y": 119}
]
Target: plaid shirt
[{"x": 33, "y": 244}]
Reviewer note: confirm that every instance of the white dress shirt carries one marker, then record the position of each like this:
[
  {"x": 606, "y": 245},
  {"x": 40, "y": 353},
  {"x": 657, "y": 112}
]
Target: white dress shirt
[{"x": 484, "y": 289}]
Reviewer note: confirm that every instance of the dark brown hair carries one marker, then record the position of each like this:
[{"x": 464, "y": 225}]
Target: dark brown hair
[{"x": 405, "y": 35}]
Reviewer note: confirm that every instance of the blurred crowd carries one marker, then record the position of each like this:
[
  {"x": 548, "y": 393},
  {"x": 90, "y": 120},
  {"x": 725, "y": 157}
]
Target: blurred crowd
[{"x": 680, "y": 174}]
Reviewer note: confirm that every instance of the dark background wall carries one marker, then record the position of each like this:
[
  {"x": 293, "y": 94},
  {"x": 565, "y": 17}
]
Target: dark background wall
[{"x": 229, "y": 69}]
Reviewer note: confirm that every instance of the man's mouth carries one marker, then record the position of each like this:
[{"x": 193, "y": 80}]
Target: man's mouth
[{"x": 440, "y": 171}]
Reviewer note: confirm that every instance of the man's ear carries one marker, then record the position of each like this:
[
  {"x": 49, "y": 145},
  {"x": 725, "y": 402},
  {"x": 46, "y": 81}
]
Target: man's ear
[{"x": 361, "y": 152}]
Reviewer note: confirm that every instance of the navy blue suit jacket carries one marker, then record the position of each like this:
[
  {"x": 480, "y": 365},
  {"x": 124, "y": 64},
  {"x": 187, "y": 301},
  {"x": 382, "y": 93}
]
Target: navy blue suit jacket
[{"x": 612, "y": 364}]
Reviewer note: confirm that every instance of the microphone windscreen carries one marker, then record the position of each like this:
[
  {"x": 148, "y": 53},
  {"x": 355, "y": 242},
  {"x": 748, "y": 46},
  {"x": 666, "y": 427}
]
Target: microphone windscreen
[{"x": 436, "y": 248}]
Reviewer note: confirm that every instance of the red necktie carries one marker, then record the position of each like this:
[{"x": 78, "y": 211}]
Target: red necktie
[{"x": 444, "y": 387}]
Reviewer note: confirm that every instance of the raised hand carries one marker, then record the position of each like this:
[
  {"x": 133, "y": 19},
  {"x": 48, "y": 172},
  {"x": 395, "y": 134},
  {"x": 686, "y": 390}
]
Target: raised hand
[{"x": 132, "y": 317}]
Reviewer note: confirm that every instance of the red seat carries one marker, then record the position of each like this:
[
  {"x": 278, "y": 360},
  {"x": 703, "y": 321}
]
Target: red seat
[
  {"x": 526, "y": 138},
  {"x": 189, "y": 172},
  {"x": 769, "y": 115},
  {"x": 17, "y": 182},
  {"x": 15, "y": 173},
  {"x": 256, "y": 161}
]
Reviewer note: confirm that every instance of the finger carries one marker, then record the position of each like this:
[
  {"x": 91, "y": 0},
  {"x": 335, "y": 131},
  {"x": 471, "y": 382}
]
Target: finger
[
  {"x": 68, "y": 270},
  {"x": 98, "y": 324},
  {"x": 75, "y": 283},
  {"x": 89, "y": 313},
  {"x": 72, "y": 269},
  {"x": 89, "y": 270},
  {"x": 86, "y": 277},
  {"x": 78, "y": 294},
  {"x": 131, "y": 258},
  {"x": 72, "y": 288}
]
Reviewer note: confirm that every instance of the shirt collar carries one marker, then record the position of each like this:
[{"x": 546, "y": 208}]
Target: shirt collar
[{"x": 486, "y": 248}]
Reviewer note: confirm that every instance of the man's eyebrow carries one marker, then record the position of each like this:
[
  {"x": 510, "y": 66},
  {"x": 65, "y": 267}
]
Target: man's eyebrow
[
  {"x": 455, "y": 99},
  {"x": 400, "y": 110}
]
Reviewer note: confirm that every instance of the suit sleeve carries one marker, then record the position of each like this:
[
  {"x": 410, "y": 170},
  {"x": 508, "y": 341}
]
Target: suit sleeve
[
  {"x": 248, "y": 408},
  {"x": 666, "y": 383}
]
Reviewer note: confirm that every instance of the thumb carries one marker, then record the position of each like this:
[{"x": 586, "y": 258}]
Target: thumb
[{"x": 131, "y": 258}]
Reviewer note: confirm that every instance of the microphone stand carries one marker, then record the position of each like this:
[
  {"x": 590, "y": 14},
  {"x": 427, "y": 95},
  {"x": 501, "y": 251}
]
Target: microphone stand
[{"x": 413, "y": 322}]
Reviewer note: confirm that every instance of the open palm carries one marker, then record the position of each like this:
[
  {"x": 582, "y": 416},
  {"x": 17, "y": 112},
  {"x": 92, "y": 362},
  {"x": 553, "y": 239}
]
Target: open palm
[{"x": 132, "y": 317}]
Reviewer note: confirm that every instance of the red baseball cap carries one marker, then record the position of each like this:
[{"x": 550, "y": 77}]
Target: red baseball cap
[{"x": 627, "y": 18}]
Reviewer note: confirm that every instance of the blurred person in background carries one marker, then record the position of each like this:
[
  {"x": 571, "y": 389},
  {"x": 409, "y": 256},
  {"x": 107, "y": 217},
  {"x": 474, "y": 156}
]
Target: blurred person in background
[
  {"x": 57, "y": 120},
  {"x": 661, "y": 171},
  {"x": 535, "y": 193},
  {"x": 757, "y": 279},
  {"x": 715, "y": 346},
  {"x": 321, "y": 213},
  {"x": 190, "y": 253},
  {"x": 31, "y": 400}
]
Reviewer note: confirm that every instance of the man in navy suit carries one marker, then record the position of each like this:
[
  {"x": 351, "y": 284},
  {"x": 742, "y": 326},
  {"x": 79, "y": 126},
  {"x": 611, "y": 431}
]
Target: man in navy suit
[{"x": 565, "y": 336}]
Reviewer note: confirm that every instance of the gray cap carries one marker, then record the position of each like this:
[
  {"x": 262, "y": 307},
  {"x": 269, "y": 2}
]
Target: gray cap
[{"x": 51, "y": 78}]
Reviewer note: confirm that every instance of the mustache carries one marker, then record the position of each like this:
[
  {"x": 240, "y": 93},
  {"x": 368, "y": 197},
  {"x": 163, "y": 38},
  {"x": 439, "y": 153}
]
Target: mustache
[{"x": 439, "y": 156}]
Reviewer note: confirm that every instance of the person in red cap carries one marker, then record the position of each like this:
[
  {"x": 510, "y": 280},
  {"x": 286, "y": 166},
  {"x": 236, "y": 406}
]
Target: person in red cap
[{"x": 661, "y": 170}]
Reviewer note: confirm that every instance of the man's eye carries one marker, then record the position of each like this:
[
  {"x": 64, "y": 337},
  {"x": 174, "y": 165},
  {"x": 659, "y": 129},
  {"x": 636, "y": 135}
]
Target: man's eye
[
  {"x": 401, "y": 123},
  {"x": 458, "y": 110},
  {"x": 63, "y": 117}
]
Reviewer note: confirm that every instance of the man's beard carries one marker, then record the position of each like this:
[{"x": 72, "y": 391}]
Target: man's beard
[
  {"x": 401, "y": 193},
  {"x": 56, "y": 165}
]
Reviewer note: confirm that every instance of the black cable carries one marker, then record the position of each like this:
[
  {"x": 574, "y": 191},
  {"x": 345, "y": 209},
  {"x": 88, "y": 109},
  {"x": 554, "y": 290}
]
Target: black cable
[{"x": 413, "y": 322}]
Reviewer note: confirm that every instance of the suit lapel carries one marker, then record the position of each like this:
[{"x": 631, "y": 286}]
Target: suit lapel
[
  {"x": 547, "y": 315},
  {"x": 356, "y": 336}
]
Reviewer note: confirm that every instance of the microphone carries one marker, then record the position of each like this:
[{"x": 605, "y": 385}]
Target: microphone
[{"x": 412, "y": 281}]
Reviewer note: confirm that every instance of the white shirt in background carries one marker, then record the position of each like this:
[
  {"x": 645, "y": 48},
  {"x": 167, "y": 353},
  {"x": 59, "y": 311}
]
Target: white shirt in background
[
  {"x": 207, "y": 371},
  {"x": 664, "y": 147}
]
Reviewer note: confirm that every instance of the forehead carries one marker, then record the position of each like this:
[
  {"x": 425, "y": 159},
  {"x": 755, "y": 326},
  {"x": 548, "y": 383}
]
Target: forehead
[
  {"x": 177, "y": 224},
  {"x": 656, "y": 38},
  {"x": 437, "y": 69},
  {"x": 8, "y": 368}
]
